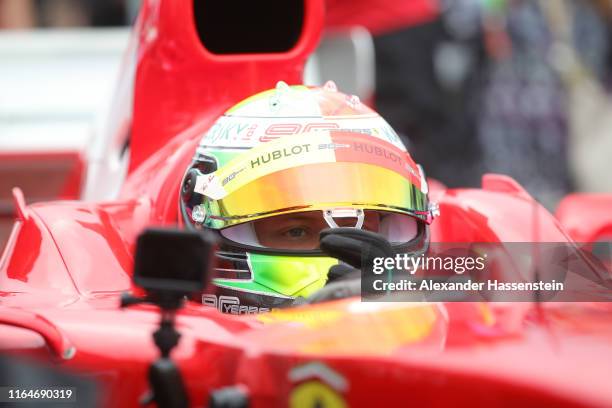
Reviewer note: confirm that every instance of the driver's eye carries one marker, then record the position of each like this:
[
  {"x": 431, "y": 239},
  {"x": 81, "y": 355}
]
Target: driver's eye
[{"x": 296, "y": 232}]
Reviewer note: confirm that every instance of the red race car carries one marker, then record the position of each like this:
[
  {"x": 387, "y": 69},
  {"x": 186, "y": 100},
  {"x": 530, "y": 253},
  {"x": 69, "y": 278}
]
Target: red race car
[{"x": 67, "y": 263}]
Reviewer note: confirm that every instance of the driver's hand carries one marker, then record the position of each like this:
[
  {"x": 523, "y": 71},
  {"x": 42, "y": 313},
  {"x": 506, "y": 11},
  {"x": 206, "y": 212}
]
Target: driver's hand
[{"x": 357, "y": 249}]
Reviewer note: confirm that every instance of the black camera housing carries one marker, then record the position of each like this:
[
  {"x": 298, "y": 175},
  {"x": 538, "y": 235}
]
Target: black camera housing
[{"x": 173, "y": 261}]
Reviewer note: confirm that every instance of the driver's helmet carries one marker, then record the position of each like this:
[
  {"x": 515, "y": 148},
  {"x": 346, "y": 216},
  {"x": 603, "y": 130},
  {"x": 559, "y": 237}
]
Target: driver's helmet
[{"x": 279, "y": 167}]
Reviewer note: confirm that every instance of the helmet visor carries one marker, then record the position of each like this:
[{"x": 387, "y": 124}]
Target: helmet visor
[{"x": 309, "y": 172}]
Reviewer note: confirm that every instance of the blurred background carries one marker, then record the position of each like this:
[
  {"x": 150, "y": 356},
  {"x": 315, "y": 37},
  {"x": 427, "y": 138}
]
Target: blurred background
[
  {"x": 519, "y": 87},
  {"x": 28, "y": 14}
]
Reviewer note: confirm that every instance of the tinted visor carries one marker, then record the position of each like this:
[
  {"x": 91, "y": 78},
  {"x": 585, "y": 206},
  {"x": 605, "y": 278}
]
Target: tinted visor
[{"x": 315, "y": 171}]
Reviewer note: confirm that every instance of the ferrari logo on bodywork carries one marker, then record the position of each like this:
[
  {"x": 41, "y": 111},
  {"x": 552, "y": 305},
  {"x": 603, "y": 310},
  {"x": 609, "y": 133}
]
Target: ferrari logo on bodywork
[{"x": 318, "y": 387}]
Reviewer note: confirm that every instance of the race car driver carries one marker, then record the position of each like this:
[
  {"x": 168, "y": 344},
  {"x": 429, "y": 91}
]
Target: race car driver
[{"x": 284, "y": 165}]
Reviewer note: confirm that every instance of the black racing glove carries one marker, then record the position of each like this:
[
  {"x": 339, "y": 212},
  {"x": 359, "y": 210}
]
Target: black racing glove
[{"x": 357, "y": 249}]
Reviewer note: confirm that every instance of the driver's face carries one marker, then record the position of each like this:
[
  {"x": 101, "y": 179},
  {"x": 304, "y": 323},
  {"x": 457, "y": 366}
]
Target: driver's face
[{"x": 301, "y": 230}]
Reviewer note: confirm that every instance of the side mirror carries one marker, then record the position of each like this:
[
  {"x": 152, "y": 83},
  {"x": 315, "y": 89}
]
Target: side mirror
[{"x": 347, "y": 57}]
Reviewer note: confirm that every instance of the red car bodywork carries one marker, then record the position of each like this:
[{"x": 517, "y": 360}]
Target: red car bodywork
[{"x": 66, "y": 264}]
